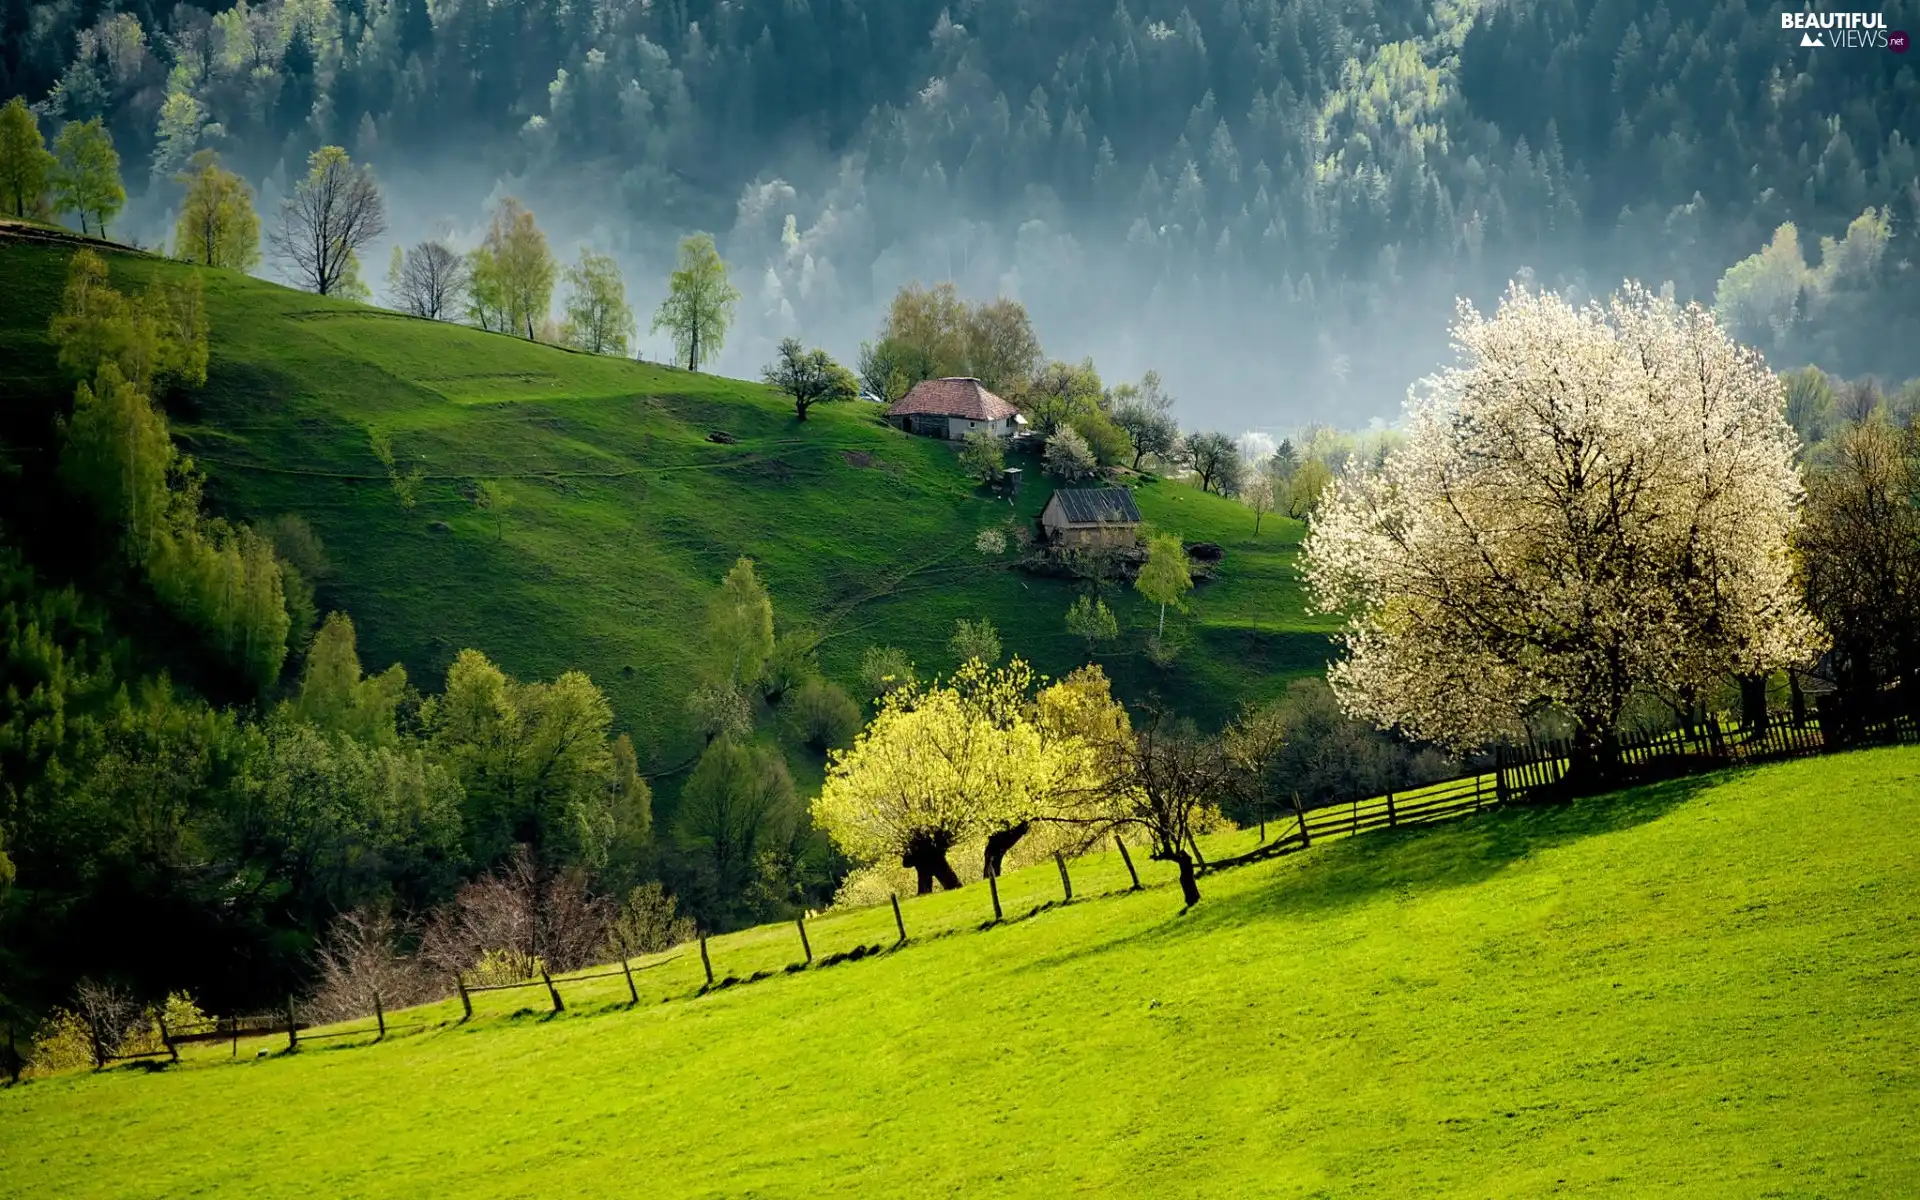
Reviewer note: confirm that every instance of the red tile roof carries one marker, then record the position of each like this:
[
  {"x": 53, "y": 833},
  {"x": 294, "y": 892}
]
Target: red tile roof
[{"x": 952, "y": 398}]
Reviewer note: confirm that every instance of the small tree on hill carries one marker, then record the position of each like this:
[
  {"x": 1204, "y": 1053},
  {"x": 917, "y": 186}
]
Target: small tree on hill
[
  {"x": 983, "y": 456},
  {"x": 1090, "y": 619},
  {"x": 809, "y": 376},
  {"x": 1165, "y": 578},
  {"x": 329, "y": 217},
  {"x": 700, "y": 302},
  {"x": 511, "y": 273},
  {"x": 1068, "y": 456},
  {"x": 26, "y": 169},
  {"x": 217, "y": 225},
  {"x": 973, "y": 640},
  {"x": 1257, "y": 494},
  {"x": 86, "y": 178},
  {"x": 599, "y": 320},
  {"x": 1215, "y": 458},
  {"x": 430, "y": 281}
]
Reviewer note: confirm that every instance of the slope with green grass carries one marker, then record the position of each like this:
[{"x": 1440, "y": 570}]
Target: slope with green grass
[
  {"x": 624, "y": 515},
  {"x": 1707, "y": 988}
]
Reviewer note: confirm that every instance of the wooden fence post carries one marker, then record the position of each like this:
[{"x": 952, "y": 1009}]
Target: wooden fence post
[
  {"x": 233, "y": 1024},
  {"x": 1476, "y": 792},
  {"x": 166, "y": 1037},
  {"x": 705, "y": 961},
  {"x": 633, "y": 993},
  {"x": 993, "y": 886},
  {"x": 466, "y": 1001},
  {"x": 805, "y": 946},
  {"x": 15, "y": 1063},
  {"x": 1066, "y": 884},
  {"x": 293, "y": 1027},
  {"x": 1300, "y": 815},
  {"x": 1393, "y": 818},
  {"x": 897, "y": 922},
  {"x": 379, "y": 1016},
  {"x": 99, "y": 1044},
  {"x": 552, "y": 991},
  {"x": 1127, "y": 859}
]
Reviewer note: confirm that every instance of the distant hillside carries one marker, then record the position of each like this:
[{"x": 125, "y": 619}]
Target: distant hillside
[{"x": 624, "y": 515}]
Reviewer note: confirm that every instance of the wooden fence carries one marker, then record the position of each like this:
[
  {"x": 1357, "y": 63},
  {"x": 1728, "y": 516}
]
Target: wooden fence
[{"x": 1536, "y": 771}]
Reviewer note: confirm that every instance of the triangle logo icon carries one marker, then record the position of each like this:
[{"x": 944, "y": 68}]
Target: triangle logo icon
[{"x": 1812, "y": 39}]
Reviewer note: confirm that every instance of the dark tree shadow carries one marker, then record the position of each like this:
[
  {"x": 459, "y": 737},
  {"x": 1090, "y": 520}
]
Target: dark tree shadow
[{"x": 1333, "y": 876}]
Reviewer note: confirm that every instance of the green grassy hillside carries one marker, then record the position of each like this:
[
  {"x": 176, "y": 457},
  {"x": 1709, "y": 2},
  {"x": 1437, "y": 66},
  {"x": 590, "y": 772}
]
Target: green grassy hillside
[
  {"x": 625, "y": 515},
  {"x": 1707, "y": 988}
]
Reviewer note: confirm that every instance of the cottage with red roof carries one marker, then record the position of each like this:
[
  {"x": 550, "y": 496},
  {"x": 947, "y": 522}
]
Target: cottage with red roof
[{"x": 953, "y": 408}]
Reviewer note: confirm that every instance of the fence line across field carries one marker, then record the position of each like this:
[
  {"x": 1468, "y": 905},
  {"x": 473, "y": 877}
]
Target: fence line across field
[{"x": 1521, "y": 774}]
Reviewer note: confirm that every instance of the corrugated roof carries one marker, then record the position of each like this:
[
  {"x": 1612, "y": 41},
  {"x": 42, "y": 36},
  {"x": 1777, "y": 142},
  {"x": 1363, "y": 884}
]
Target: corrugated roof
[
  {"x": 1098, "y": 506},
  {"x": 952, "y": 398}
]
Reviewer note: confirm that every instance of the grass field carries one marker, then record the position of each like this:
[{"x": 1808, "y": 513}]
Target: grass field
[
  {"x": 625, "y": 516},
  {"x": 1707, "y": 988}
]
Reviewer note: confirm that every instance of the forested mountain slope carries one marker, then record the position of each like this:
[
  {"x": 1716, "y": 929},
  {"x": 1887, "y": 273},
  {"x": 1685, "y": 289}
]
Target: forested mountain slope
[{"x": 1273, "y": 200}]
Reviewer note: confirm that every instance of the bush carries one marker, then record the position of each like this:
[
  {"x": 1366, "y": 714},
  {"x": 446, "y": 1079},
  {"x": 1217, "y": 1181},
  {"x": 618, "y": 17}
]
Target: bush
[
  {"x": 975, "y": 639},
  {"x": 1110, "y": 445},
  {"x": 883, "y": 669},
  {"x": 649, "y": 922},
  {"x": 792, "y": 663},
  {"x": 983, "y": 456},
  {"x": 821, "y": 716},
  {"x": 1069, "y": 457},
  {"x": 62, "y": 1043}
]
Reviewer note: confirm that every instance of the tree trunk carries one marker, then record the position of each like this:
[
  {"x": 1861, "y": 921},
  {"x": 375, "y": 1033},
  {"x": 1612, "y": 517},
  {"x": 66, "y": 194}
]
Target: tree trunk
[
  {"x": 1753, "y": 701},
  {"x": 1001, "y": 841},
  {"x": 1797, "y": 698},
  {"x": 1163, "y": 622},
  {"x": 928, "y": 857},
  {"x": 1189, "y": 883}
]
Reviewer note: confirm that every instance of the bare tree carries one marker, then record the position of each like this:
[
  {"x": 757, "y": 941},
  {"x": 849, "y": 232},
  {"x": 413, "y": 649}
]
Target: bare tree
[
  {"x": 112, "y": 1016},
  {"x": 330, "y": 215},
  {"x": 361, "y": 967},
  {"x": 431, "y": 281},
  {"x": 536, "y": 917}
]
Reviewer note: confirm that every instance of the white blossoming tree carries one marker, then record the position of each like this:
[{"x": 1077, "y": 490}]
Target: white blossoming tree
[{"x": 1597, "y": 502}]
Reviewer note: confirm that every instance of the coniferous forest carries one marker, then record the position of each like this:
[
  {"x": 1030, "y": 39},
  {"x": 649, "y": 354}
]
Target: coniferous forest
[{"x": 1274, "y": 202}]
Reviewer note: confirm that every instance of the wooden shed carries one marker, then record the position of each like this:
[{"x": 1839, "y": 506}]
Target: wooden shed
[{"x": 1087, "y": 517}]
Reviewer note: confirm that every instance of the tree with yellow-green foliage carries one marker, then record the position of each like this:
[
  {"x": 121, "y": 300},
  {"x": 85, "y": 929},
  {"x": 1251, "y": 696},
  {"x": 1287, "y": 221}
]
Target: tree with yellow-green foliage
[
  {"x": 978, "y": 757},
  {"x": 26, "y": 168},
  {"x": 511, "y": 273},
  {"x": 700, "y": 302},
  {"x": 1165, "y": 578},
  {"x": 156, "y": 340},
  {"x": 335, "y": 696},
  {"x": 217, "y": 225},
  {"x": 599, "y": 319},
  {"x": 86, "y": 177}
]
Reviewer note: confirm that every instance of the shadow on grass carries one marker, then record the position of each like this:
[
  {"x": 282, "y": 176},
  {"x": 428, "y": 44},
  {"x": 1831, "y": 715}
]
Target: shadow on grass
[{"x": 1335, "y": 876}]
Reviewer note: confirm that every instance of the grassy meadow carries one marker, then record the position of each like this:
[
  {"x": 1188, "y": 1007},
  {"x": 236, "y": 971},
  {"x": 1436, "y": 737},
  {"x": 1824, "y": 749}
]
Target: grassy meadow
[
  {"x": 1705, "y": 988},
  {"x": 624, "y": 515}
]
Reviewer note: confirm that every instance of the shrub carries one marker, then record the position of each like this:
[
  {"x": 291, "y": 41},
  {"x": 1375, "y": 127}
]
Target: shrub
[
  {"x": 821, "y": 716},
  {"x": 983, "y": 456},
  {"x": 1069, "y": 457},
  {"x": 883, "y": 669},
  {"x": 62, "y": 1043},
  {"x": 975, "y": 639},
  {"x": 649, "y": 922},
  {"x": 792, "y": 663}
]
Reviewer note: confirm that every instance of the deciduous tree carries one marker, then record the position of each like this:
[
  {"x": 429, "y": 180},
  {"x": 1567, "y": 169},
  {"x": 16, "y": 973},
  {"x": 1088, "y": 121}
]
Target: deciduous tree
[
  {"x": 809, "y": 376},
  {"x": 332, "y": 213},
  {"x": 217, "y": 225},
  {"x": 511, "y": 273},
  {"x": 26, "y": 168},
  {"x": 599, "y": 320},
  {"x": 431, "y": 281},
  {"x": 86, "y": 175},
  {"x": 1598, "y": 502},
  {"x": 1165, "y": 577},
  {"x": 700, "y": 302}
]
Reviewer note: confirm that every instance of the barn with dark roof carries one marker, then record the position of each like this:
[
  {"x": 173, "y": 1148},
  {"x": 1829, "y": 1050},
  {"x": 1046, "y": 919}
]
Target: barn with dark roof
[
  {"x": 1081, "y": 517},
  {"x": 953, "y": 408}
]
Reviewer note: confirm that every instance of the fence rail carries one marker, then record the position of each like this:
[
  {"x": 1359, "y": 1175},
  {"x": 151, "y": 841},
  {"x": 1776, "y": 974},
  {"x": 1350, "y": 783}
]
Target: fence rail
[{"x": 1536, "y": 771}]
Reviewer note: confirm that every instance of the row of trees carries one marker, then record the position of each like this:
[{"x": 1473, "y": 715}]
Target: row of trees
[{"x": 81, "y": 175}]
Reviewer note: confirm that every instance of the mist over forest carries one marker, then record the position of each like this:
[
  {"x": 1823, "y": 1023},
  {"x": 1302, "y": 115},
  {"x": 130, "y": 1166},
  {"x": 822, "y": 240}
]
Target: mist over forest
[{"x": 1272, "y": 202}]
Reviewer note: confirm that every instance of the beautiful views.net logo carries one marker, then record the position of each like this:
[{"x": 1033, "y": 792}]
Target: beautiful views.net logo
[{"x": 1847, "y": 30}]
